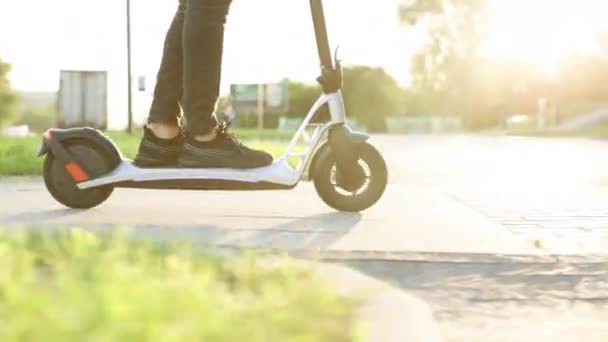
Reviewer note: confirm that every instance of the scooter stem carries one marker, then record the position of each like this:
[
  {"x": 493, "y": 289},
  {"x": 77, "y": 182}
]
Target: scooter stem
[{"x": 318, "y": 19}]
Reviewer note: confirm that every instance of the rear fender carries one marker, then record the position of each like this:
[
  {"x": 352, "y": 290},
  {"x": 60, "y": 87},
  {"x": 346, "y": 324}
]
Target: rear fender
[{"x": 55, "y": 138}]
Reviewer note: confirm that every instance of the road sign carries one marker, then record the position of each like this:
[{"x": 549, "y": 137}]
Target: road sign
[
  {"x": 247, "y": 98},
  {"x": 244, "y": 93}
]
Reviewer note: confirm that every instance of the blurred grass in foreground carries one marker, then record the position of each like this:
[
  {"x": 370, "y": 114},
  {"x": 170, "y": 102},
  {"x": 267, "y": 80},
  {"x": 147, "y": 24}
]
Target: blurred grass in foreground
[
  {"x": 75, "y": 286},
  {"x": 18, "y": 155}
]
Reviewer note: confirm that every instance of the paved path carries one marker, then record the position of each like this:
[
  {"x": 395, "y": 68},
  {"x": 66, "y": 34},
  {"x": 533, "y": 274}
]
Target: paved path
[
  {"x": 507, "y": 301},
  {"x": 455, "y": 206},
  {"x": 407, "y": 220},
  {"x": 551, "y": 189}
]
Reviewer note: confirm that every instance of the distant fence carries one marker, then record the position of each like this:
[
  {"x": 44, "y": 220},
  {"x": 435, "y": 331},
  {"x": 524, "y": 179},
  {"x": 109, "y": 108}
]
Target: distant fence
[
  {"x": 394, "y": 125},
  {"x": 424, "y": 125}
]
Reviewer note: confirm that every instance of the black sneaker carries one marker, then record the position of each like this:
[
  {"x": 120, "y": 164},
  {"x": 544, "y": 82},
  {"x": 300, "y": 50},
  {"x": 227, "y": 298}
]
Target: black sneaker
[
  {"x": 226, "y": 151},
  {"x": 156, "y": 152}
]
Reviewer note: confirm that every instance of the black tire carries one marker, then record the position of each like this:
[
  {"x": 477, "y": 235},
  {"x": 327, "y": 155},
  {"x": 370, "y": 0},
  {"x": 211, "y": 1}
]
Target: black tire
[
  {"x": 63, "y": 188},
  {"x": 362, "y": 199}
]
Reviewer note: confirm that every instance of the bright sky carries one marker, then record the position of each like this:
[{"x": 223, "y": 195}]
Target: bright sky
[
  {"x": 265, "y": 39},
  {"x": 269, "y": 39},
  {"x": 544, "y": 31}
]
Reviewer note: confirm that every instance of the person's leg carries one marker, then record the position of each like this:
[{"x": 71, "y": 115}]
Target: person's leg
[
  {"x": 203, "y": 42},
  {"x": 208, "y": 145},
  {"x": 161, "y": 143},
  {"x": 165, "y": 109}
]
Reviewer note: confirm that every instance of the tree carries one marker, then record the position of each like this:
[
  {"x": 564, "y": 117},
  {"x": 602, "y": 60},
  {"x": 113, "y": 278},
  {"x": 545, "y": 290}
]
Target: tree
[
  {"x": 451, "y": 75},
  {"x": 444, "y": 70},
  {"x": 301, "y": 97},
  {"x": 38, "y": 119},
  {"x": 371, "y": 95},
  {"x": 8, "y": 98}
]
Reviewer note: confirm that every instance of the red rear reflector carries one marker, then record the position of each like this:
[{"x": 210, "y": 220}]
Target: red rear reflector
[{"x": 76, "y": 172}]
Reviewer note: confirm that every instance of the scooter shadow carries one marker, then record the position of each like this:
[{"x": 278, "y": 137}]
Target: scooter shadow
[
  {"x": 315, "y": 232},
  {"x": 309, "y": 233},
  {"x": 37, "y": 217}
]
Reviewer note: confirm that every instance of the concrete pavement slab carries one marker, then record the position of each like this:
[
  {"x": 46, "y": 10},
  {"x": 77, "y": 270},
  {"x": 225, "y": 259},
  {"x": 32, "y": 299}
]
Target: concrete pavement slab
[
  {"x": 388, "y": 314},
  {"x": 407, "y": 219}
]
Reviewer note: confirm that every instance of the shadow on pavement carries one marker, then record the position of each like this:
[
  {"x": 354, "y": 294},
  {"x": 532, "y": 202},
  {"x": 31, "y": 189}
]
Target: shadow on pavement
[
  {"x": 271, "y": 232},
  {"x": 312, "y": 232},
  {"x": 486, "y": 289},
  {"x": 35, "y": 217}
]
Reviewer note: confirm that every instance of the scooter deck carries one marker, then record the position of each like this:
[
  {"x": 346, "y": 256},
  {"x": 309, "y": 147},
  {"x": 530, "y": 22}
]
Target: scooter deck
[
  {"x": 208, "y": 184},
  {"x": 278, "y": 176}
]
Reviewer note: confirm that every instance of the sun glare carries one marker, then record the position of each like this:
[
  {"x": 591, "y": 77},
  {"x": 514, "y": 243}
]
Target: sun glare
[{"x": 543, "y": 32}]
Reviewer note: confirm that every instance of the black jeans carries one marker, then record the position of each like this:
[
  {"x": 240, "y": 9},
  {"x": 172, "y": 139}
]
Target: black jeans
[{"x": 190, "y": 70}]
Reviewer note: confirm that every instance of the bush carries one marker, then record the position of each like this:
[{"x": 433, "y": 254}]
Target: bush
[
  {"x": 77, "y": 287},
  {"x": 250, "y": 120},
  {"x": 371, "y": 95},
  {"x": 38, "y": 119},
  {"x": 8, "y": 99}
]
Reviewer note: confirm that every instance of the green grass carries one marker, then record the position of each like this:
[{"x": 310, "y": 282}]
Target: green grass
[
  {"x": 18, "y": 155},
  {"x": 75, "y": 286}
]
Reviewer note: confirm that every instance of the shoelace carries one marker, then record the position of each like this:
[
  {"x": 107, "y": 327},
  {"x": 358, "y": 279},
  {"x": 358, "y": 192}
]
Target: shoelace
[{"x": 224, "y": 131}]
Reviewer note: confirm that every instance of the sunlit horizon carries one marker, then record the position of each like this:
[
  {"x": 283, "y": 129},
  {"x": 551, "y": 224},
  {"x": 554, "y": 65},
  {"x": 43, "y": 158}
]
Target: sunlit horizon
[{"x": 544, "y": 32}]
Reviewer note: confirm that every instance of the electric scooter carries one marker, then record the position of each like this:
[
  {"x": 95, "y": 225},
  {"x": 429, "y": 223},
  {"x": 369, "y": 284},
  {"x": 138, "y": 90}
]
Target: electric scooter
[{"x": 82, "y": 166}]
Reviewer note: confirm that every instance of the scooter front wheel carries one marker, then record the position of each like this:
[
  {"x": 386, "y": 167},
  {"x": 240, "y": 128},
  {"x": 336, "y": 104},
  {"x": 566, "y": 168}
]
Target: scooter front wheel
[
  {"x": 328, "y": 185},
  {"x": 62, "y": 187}
]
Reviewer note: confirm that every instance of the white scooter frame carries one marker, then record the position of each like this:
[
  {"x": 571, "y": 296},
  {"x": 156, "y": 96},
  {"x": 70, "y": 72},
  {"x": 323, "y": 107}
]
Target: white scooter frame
[{"x": 280, "y": 172}]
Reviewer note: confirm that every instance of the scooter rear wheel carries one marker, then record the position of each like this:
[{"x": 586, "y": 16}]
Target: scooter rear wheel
[
  {"x": 62, "y": 187},
  {"x": 327, "y": 181}
]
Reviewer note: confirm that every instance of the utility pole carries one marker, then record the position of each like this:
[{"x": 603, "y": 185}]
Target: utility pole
[
  {"x": 129, "y": 71},
  {"x": 261, "y": 105}
]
